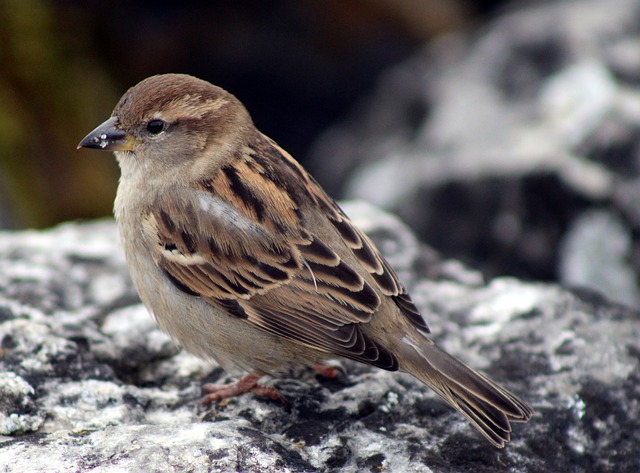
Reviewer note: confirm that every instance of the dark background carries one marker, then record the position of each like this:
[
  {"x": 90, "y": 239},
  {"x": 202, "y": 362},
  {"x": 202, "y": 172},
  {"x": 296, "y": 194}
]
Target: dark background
[{"x": 299, "y": 66}]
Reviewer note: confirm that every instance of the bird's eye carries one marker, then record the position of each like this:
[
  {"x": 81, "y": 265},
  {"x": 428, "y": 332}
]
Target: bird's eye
[{"x": 156, "y": 126}]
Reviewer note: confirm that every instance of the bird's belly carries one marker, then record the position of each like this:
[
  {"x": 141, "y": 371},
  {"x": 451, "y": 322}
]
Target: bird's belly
[{"x": 210, "y": 333}]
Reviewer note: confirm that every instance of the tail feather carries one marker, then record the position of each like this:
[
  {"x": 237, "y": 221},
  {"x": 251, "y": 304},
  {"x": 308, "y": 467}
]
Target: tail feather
[{"x": 488, "y": 406}]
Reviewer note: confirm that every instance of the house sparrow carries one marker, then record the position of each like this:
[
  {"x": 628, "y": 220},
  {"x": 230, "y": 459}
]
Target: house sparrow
[{"x": 242, "y": 257}]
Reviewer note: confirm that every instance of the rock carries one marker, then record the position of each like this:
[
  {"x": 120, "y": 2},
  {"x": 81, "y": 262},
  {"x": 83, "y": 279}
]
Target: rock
[
  {"x": 18, "y": 413},
  {"x": 517, "y": 152},
  {"x": 595, "y": 253},
  {"x": 89, "y": 383},
  {"x": 492, "y": 146}
]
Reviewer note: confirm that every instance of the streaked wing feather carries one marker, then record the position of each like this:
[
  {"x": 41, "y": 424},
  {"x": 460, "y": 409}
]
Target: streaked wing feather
[{"x": 250, "y": 255}]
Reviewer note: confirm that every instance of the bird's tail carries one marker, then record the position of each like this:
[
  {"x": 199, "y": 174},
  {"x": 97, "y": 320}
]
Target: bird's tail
[{"x": 488, "y": 406}]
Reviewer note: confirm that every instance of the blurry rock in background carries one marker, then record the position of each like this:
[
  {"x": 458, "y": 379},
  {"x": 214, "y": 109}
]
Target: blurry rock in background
[
  {"x": 297, "y": 65},
  {"x": 498, "y": 149},
  {"x": 595, "y": 252}
]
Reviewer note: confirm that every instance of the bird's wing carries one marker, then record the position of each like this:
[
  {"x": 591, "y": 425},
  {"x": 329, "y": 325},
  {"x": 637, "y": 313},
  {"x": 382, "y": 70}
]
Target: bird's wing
[{"x": 240, "y": 241}]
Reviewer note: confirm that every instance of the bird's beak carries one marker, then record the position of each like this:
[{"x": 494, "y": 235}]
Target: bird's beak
[{"x": 108, "y": 136}]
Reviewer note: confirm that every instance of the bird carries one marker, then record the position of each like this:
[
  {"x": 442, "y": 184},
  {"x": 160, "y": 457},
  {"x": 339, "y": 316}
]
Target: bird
[{"x": 241, "y": 256}]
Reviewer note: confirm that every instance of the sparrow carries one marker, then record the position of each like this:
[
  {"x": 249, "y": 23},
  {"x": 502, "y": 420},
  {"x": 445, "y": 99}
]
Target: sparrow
[{"x": 241, "y": 257}]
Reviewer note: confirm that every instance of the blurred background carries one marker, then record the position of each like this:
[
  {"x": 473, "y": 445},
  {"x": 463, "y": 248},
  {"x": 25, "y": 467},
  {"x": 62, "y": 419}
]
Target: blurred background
[
  {"x": 298, "y": 65},
  {"x": 506, "y": 134}
]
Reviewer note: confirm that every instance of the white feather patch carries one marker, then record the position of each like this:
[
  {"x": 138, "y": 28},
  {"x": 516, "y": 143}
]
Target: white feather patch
[
  {"x": 225, "y": 213},
  {"x": 176, "y": 257}
]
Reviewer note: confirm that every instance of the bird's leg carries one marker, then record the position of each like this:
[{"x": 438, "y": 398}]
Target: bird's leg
[
  {"x": 248, "y": 383},
  {"x": 330, "y": 370}
]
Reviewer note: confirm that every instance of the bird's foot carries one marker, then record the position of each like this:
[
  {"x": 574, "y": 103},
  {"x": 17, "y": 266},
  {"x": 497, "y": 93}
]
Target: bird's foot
[
  {"x": 248, "y": 383},
  {"x": 330, "y": 370}
]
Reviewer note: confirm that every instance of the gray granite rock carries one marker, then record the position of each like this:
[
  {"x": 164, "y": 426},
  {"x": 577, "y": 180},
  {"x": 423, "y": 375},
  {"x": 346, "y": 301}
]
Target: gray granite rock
[
  {"x": 491, "y": 146},
  {"x": 88, "y": 383},
  {"x": 517, "y": 150},
  {"x": 595, "y": 252}
]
